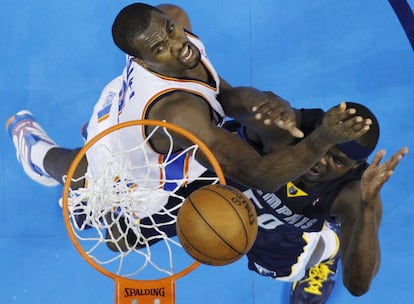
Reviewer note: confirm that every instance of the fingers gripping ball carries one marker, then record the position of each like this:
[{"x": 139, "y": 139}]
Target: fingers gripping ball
[{"x": 217, "y": 225}]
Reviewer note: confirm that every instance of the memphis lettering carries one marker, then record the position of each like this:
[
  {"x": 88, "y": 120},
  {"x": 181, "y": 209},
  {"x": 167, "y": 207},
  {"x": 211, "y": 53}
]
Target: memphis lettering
[
  {"x": 135, "y": 292},
  {"x": 281, "y": 213}
]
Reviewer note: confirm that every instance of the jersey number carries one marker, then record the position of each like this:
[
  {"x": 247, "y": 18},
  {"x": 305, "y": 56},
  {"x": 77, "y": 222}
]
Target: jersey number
[{"x": 264, "y": 220}]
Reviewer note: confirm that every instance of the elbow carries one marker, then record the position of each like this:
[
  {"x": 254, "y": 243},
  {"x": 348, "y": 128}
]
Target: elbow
[
  {"x": 357, "y": 291},
  {"x": 357, "y": 287},
  {"x": 358, "y": 282}
]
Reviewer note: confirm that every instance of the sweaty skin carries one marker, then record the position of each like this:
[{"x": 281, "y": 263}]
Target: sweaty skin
[
  {"x": 358, "y": 206},
  {"x": 163, "y": 53}
]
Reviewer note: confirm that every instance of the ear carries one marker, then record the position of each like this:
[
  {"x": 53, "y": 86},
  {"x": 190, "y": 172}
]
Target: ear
[{"x": 358, "y": 163}]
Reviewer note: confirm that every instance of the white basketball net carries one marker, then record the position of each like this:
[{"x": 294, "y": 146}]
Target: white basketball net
[{"x": 125, "y": 197}]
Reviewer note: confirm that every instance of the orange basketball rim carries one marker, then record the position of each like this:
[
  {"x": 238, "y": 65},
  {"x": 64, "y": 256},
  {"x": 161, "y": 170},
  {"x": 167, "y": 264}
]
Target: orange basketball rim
[{"x": 130, "y": 290}]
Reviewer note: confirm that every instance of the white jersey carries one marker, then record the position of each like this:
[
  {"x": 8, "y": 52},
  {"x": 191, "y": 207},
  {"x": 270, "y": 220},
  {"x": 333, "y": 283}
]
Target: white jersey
[{"x": 129, "y": 97}]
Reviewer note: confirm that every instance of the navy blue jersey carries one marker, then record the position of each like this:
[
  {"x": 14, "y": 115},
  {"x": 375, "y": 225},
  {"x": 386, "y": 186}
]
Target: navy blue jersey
[{"x": 283, "y": 216}]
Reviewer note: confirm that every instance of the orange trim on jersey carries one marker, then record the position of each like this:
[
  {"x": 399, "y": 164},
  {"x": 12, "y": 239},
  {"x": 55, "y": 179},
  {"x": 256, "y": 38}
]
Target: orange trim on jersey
[
  {"x": 102, "y": 118},
  {"x": 185, "y": 172},
  {"x": 188, "y": 80},
  {"x": 160, "y": 162},
  {"x": 186, "y": 169},
  {"x": 155, "y": 98}
]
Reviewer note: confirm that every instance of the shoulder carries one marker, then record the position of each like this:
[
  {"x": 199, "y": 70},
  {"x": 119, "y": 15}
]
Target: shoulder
[
  {"x": 176, "y": 13},
  {"x": 179, "y": 103},
  {"x": 182, "y": 97}
]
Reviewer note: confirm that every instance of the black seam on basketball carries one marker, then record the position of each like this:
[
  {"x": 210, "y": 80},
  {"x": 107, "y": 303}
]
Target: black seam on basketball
[
  {"x": 215, "y": 232},
  {"x": 246, "y": 234},
  {"x": 184, "y": 238},
  {"x": 202, "y": 253},
  {"x": 182, "y": 234}
]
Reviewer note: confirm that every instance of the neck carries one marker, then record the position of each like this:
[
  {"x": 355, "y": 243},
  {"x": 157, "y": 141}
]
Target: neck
[{"x": 198, "y": 73}]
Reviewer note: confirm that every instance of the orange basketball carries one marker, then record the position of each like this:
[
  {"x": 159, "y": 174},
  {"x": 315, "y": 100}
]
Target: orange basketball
[{"x": 217, "y": 225}]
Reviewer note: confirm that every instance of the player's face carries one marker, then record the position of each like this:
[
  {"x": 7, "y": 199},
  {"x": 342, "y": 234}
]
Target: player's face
[
  {"x": 333, "y": 165},
  {"x": 165, "y": 48}
]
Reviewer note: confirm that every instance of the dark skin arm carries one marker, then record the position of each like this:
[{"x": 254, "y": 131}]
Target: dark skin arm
[
  {"x": 241, "y": 162},
  {"x": 256, "y": 108},
  {"x": 359, "y": 208},
  {"x": 360, "y": 221},
  {"x": 270, "y": 119},
  {"x": 236, "y": 101}
]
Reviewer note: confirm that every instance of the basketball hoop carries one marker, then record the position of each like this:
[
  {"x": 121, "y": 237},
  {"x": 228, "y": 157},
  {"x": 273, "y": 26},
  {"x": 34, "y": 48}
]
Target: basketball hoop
[{"x": 129, "y": 204}]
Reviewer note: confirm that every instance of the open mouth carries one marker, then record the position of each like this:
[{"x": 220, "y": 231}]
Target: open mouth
[
  {"x": 314, "y": 171},
  {"x": 189, "y": 55}
]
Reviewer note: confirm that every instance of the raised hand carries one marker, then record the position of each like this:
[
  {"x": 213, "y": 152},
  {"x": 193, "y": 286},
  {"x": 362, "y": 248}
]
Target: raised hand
[
  {"x": 376, "y": 175},
  {"x": 275, "y": 110},
  {"x": 340, "y": 124}
]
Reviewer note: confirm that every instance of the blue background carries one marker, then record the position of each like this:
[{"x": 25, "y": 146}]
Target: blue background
[{"x": 56, "y": 56}]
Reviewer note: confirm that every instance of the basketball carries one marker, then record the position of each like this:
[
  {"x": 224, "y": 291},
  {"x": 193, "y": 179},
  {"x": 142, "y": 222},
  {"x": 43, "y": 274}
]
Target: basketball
[{"x": 217, "y": 225}]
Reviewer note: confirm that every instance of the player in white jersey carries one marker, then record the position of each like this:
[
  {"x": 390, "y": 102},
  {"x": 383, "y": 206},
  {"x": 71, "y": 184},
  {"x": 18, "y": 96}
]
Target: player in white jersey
[
  {"x": 168, "y": 77},
  {"x": 124, "y": 99},
  {"x": 164, "y": 56}
]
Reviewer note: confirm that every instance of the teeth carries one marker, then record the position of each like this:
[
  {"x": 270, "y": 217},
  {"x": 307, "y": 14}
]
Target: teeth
[
  {"x": 187, "y": 53},
  {"x": 187, "y": 49},
  {"x": 190, "y": 53}
]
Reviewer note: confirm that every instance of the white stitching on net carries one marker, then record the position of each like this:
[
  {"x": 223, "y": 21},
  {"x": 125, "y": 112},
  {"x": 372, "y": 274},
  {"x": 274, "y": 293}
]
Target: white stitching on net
[{"x": 112, "y": 196}]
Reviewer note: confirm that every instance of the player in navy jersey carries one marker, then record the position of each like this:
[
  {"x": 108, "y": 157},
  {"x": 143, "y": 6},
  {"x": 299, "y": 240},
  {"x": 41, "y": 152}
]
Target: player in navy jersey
[
  {"x": 169, "y": 77},
  {"x": 299, "y": 224},
  {"x": 160, "y": 47}
]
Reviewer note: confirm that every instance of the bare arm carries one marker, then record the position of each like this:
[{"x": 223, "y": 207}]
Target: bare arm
[
  {"x": 241, "y": 162},
  {"x": 359, "y": 208},
  {"x": 257, "y": 108},
  {"x": 237, "y": 101}
]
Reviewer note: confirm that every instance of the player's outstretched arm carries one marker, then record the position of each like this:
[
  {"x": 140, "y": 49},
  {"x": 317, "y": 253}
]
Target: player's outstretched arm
[
  {"x": 241, "y": 162},
  {"x": 360, "y": 211},
  {"x": 259, "y": 109},
  {"x": 377, "y": 174}
]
